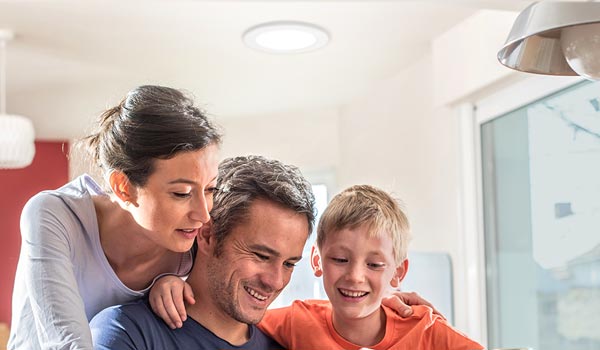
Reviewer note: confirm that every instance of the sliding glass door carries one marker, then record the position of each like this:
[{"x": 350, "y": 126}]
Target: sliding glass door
[{"x": 541, "y": 206}]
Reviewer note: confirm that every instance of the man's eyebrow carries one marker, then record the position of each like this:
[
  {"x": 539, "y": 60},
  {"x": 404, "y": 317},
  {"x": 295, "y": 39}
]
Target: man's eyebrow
[{"x": 268, "y": 250}]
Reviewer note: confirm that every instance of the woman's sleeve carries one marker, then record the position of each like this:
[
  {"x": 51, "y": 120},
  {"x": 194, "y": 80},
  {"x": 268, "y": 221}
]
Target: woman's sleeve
[{"x": 49, "y": 309}]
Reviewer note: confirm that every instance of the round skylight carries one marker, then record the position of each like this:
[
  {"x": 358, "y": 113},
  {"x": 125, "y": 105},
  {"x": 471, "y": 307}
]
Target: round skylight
[{"x": 286, "y": 37}]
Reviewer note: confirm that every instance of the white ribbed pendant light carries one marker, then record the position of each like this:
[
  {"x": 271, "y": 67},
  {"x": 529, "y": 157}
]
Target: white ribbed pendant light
[{"x": 17, "y": 146}]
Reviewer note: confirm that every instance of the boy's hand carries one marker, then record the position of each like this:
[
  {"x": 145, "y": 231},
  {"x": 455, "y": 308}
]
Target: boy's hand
[
  {"x": 401, "y": 301},
  {"x": 167, "y": 300}
]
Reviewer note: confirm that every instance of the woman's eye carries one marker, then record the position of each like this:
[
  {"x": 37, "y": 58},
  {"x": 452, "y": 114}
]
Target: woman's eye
[
  {"x": 182, "y": 194},
  {"x": 211, "y": 190},
  {"x": 289, "y": 265}
]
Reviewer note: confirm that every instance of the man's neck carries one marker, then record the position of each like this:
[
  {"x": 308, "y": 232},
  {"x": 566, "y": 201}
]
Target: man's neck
[
  {"x": 215, "y": 320},
  {"x": 367, "y": 331}
]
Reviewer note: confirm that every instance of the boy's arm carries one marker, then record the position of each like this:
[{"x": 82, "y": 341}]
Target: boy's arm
[
  {"x": 401, "y": 302},
  {"x": 167, "y": 299}
]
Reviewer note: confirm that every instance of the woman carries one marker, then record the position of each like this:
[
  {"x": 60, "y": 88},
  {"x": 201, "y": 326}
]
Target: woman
[{"x": 84, "y": 249}]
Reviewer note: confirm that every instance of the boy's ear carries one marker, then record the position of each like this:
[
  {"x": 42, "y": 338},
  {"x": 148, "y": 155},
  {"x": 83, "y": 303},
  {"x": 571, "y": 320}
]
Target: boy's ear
[
  {"x": 401, "y": 271},
  {"x": 315, "y": 261},
  {"x": 122, "y": 188}
]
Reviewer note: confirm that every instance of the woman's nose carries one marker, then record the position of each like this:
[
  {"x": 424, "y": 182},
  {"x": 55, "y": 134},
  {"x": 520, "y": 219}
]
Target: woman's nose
[{"x": 200, "y": 210}]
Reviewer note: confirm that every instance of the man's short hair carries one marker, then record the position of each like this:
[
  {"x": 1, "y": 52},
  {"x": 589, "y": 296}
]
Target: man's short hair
[
  {"x": 244, "y": 179},
  {"x": 367, "y": 205}
]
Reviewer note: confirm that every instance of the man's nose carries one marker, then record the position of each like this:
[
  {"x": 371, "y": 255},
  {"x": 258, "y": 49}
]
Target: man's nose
[{"x": 275, "y": 278}]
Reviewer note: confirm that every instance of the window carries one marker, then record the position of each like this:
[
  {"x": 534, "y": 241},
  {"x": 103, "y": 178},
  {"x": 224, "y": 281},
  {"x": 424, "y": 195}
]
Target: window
[
  {"x": 541, "y": 206},
  {"x": 304, "y": 284}
]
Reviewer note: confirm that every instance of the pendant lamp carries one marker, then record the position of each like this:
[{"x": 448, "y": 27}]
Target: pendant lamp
[
  {"x": 17, "y": 146},
  {"x": 555, "y": 38}
]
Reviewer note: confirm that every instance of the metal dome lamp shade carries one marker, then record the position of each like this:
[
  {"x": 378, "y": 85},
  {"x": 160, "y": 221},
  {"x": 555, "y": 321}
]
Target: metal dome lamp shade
[
  {"x": 17, "y": 146},
  {"x": 555, "y": 38}
]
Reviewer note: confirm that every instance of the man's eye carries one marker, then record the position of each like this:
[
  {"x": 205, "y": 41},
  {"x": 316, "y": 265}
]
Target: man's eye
[
  {"x": 289, "y": 265},
  {"x": 261, "y": 256},
  {"x": 182, "y": 194}
]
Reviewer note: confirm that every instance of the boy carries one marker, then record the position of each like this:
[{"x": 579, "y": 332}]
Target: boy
[{"x": 362, "y": 240}]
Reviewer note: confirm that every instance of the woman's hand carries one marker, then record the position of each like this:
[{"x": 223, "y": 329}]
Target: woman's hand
[
  {"x": 401, "y": 302},
  {"x": 167, "y": 300}
]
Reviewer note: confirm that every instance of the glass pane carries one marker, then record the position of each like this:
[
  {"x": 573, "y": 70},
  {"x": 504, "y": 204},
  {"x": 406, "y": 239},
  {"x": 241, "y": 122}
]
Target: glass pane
[
  {"x": 304, "y": 284},
  {"x": 541, "y": 187}
]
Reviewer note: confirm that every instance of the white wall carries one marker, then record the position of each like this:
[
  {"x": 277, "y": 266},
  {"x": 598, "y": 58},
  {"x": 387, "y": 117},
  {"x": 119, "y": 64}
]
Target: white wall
[
  {"x": 308, "y": 139},
  {"x": 395, "y": 139}
]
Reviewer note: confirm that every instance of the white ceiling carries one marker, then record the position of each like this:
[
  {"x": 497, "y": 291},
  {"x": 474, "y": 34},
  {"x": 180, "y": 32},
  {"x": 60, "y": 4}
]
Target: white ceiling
[{"x": 72, "y": 58}]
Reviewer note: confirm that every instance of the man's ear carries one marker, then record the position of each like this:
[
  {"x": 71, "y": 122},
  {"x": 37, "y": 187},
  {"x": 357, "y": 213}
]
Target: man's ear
[
  {"x": 315, "y": 261},
  {"x": 205, "y": 237},
  {"x": 122, "y": 188},
  {"x": 401, "y": 271}
]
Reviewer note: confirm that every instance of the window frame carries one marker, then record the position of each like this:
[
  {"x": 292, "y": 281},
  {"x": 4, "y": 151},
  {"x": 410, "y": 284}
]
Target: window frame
[{"x": 471, "y": 116}]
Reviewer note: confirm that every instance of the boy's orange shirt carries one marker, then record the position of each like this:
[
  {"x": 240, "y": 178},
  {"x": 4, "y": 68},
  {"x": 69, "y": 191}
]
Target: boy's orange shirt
[{"x": 308, "y": 325}]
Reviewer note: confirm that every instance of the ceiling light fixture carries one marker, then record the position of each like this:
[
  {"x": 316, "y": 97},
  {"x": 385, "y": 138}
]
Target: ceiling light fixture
[
  {"x": 555, "y": 38},
  {"x": 17, "y": 146},
  {"x": 286, "y": 37}
]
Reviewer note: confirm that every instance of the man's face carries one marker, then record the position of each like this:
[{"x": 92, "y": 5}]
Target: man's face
[{"x": 257, "y": 260}]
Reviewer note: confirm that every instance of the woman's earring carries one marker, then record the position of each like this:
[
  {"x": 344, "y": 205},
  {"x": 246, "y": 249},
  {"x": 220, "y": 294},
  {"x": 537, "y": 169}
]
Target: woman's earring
[{"x": 127, "y": 203}]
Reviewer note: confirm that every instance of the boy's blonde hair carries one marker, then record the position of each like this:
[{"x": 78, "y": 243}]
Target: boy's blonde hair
[{"x": 367, "y": 205}]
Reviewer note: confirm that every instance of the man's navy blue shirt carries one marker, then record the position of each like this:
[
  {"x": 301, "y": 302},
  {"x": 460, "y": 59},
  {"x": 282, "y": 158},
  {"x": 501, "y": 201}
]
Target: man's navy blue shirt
[{"x": 135, "y": 326}]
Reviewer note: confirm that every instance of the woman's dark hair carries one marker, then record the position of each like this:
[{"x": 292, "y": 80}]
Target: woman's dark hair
[{"x": 152, "y": 122}]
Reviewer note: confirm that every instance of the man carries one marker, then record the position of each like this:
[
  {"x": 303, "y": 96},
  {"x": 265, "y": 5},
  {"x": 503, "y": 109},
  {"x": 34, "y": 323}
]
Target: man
[{"x": 263, "y": 213}]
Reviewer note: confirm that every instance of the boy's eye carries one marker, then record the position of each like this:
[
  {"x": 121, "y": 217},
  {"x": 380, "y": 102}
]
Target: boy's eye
[
  {"x": 376, "y": 265},
  {"x": 340, "y": 260}
]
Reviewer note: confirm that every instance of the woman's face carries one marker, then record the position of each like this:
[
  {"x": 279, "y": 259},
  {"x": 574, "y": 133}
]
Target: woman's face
[{"x": 177, "y": 199}]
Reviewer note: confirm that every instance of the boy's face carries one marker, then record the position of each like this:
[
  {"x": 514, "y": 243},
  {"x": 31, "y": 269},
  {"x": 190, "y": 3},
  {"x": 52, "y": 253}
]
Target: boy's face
[{"x": 357, "y": 271}]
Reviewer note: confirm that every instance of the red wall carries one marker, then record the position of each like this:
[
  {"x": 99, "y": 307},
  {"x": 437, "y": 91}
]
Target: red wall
[{"x": 49, "y": 170}]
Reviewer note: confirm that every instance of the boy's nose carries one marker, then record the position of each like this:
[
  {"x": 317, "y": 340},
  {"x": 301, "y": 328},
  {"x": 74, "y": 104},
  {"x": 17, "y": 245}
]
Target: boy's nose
[{"x": 355, "y": 273}]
